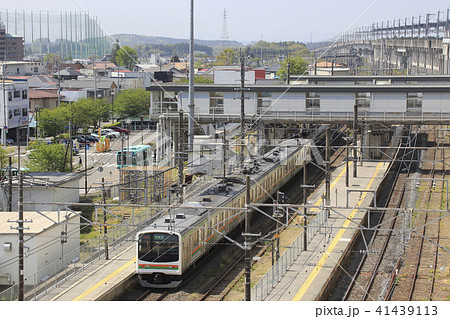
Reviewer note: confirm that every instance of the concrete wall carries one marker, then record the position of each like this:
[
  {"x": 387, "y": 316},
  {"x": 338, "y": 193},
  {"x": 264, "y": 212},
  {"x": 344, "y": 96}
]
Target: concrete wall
[
  {"x": 393, "y": 102},
  {"x": 71, "y": 96},
  {"x": 233, "y": 77},
  {"x": 288, "y": 102},
  {"x": 436, "y": 102},
  {"x": 337, "y": 102},
  {"x": 41, "y": 250},
  {"x": 66, "y": 193}
]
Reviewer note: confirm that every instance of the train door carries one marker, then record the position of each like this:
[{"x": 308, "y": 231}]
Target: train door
[{"x": 188, "y": 249}]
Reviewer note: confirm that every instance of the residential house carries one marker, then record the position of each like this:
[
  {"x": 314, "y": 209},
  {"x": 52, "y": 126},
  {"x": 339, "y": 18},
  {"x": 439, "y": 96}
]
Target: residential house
[
  {"x": 14, "y": 102},
  {"x": 67, "y": 74},
  {"x": 43, "y": 98},
  {"x": 94, "y": 87},
  {"x": 22, "y": 68}
]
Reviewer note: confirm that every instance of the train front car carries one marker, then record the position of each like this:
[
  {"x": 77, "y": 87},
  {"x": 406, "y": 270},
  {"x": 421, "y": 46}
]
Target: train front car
[{"x": 158, "y": 258}]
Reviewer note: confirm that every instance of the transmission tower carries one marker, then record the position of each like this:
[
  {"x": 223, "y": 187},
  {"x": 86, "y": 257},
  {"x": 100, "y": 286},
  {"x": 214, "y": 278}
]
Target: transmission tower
[{"x": 224, "y": 38}]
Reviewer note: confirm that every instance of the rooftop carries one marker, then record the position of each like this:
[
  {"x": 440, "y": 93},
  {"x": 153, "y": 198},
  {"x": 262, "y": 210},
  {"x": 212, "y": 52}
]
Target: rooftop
[
  {"x": 42, "y": 94},
  {"x": 39, "y": 221}
]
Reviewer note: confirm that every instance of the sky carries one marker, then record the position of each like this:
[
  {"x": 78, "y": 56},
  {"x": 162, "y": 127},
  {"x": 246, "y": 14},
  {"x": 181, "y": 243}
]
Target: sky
[{"x": 251, "y": 20}]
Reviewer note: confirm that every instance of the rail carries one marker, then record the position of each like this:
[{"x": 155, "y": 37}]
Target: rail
[{"x": 430, "y": 118}]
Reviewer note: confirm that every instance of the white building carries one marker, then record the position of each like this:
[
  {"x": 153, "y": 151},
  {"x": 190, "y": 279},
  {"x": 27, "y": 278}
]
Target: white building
[
  {"x": 51, "y": 242},
  {"x": 233, "y": 77},
  {"x": 22, "y": 68},
  {"x": 45, "y": 188},
  {"x": 14, "y": 104},
  {"x": 417, "y": 94}
]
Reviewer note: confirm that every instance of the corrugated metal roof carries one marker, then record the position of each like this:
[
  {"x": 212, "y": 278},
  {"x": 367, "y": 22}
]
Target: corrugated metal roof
[
  {"x": 38, "y": 222},
  {"x": 41, "y": 94}
]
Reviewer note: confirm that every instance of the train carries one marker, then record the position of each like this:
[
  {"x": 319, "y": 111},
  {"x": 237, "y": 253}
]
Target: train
[{"x": 174, "y": 242}]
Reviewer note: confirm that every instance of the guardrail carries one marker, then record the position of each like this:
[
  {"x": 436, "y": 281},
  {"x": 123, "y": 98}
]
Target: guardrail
[
  {"x": 410, "y": 117},
  {"x": 51, "y": 276},
  {"x": 265, "y": 285}
]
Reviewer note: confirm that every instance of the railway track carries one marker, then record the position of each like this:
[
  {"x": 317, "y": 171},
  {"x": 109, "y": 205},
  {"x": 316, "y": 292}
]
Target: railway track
[
  {"x": 219, "y": 290},
  {"x": 417, "y": 276},
  {"x": 153, "y": 295},
  {"x": 233, "y": 271},
  {"x": 374, "y": 269}
]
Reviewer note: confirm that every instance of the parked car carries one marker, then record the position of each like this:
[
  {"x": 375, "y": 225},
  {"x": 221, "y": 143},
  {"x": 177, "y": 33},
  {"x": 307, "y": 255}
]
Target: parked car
[
  {"x": 81, "y": 140},
  {"x": 91, "y": 138},
  {"x": 120, "y": 129},
  {"x": 110, "y": 133},
  {"x": 107, "y": 134}
]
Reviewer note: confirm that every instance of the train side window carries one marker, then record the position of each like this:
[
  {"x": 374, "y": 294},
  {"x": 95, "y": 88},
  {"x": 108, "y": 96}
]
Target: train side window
[
  {"x": 196, "y": 238},
  {"x": 210, "y": 231}
]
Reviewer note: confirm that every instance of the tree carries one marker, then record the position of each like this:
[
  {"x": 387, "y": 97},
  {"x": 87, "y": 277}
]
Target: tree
[
  {"x": 52, "y": 61},
  {"x": 298, "y": 66},
  {"x": 228, "y": 56},
  {"x": 126, "y": 57},
  {"x": 115, "y": 48},
  {"x": 53, "y": 121},
  {"x": 175, "y": 58},
  {"x": 4, "y": 161},
  {"x": 132, "y": 102},
  {"x": 88, "y": 112},
  {"x": 49, "y": 158},
  {"x": 81, "y": 113},
  {"x": 100, "y": 110},
  {"x": 197, "y": 79}
]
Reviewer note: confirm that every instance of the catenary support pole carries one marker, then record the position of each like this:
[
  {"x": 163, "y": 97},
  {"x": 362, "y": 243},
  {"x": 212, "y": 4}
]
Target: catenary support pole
[
  {"x": 105, "y": 226},
  {"x": 305, "y": 198},
  {"x": 355, "y": 140},
  {"x": 20, "y": 228},
  {"x": 191, "y": 81},
  {"x": 327, "y": 169},
  {"x": 246, "y": 244}
]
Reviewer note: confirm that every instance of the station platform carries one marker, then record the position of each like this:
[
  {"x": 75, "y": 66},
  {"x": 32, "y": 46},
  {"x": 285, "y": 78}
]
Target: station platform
[
  {"x": 107, "y": 279},
  {"x": 308, "y": 276},
  {"x": 101, "y": 281}
]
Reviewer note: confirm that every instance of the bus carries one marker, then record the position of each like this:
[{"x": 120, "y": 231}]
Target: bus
[{"x": 138, "y": 155}]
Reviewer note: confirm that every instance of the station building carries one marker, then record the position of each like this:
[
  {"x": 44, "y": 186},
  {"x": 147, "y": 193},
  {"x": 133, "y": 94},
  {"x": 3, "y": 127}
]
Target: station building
[{"x": 415, "y": 94}]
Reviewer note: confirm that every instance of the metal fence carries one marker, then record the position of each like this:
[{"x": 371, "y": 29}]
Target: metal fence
[
  {"x": 274, "y": 275},
  {"x": 51, "y": 276}
]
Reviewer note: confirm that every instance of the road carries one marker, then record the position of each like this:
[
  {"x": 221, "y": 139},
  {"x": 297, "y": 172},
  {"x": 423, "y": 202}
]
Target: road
[{"x": 103, "y": 164}]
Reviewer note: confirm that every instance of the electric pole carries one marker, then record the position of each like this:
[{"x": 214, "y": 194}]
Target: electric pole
[
  {"x": 105, "y": 227},
  {"x": 288, "y": 78},
  {"x": 10, "y": 185},
  {"x": 85, "y": 166},
  {"x": 191, "y": 81},
  {"x": 242, "y": 89},
  {"x": 247, "y": 256},
  {"x": 355, "y": 139},
  {"x": 327, "y": 169},
  {"x": 305, "y": 197},
  {"x": 20, "y": 228},
  {"x": 179, "y": 155}
]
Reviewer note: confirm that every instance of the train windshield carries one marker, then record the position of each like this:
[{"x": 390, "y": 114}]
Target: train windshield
[{"x": 158, "y": 247}]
